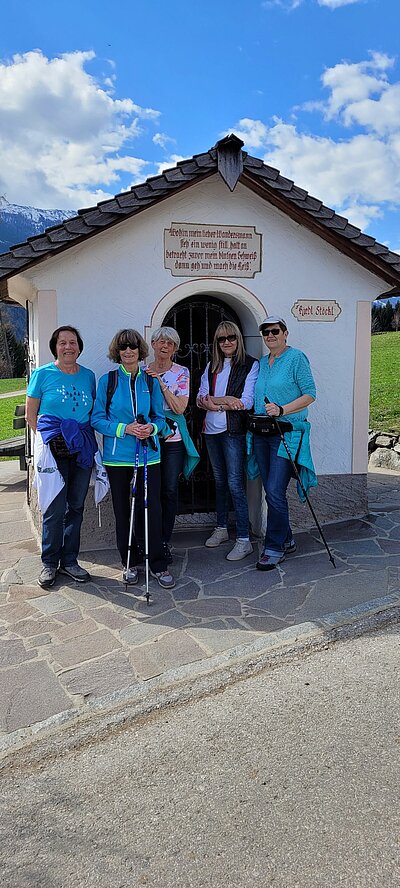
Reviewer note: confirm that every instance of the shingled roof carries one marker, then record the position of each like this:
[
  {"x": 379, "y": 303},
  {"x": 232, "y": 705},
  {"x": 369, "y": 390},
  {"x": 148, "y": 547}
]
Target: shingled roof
[{"x": 234, "y": 165}]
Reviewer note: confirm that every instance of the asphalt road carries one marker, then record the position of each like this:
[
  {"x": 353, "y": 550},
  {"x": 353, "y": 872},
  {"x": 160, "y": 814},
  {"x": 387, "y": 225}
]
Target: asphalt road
[{"x": 287, "y": 779}]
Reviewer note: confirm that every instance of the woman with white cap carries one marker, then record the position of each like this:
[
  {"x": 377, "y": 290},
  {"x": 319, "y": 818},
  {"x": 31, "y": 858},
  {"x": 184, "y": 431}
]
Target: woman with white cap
[{"x": 284, "y": 389}]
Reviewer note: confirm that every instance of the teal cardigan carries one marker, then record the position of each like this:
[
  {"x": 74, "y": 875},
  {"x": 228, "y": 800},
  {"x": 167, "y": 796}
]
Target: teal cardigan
[
  {"x": 191, "y": 457},
  {"x": 298, "y": 442}
]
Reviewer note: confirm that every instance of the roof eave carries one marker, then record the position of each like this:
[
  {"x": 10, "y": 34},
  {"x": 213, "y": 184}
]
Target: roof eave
[
  {"x": 372, "y": 263},
  {"x": 68, "y": 245}
]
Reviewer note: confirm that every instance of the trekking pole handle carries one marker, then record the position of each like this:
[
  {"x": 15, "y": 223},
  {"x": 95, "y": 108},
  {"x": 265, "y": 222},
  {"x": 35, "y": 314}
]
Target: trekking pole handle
[{"x": 146, "y": 441}]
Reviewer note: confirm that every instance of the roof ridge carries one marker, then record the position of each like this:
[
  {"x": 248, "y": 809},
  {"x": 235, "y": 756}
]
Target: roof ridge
[{"x": 227, "y": 158}]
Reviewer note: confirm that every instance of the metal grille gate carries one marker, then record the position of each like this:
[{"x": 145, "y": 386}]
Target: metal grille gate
[{"x": 196, "y": 319}]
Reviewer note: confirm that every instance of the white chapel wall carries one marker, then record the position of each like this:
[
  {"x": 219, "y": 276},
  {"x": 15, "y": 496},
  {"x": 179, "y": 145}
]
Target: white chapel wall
[{"x": 117, "y": 279}]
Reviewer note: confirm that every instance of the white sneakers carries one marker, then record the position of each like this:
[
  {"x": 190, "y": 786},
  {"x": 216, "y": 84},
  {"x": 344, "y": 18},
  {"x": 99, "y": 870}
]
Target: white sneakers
[
  {"x": 218, "y": 536},
  {"x": 240, "y": 549}
]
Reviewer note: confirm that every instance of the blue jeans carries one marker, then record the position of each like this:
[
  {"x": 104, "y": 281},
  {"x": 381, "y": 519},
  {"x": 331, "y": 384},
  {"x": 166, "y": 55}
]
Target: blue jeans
[
  {"x": 61, "y": 533},
  {"x": 227, "y": 456},
  {"x": 172, "y": 455},
  {"x": 276, "y": 472}
]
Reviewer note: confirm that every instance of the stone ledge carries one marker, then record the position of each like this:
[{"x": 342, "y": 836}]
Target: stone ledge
[{"x": 384, "y": 450}]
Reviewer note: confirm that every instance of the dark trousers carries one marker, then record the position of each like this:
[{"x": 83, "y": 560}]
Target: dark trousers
[
  {"x": 61, "y": 532},
  {"x": 120, "y": 478},
  {"x": 171, "y": 466}
]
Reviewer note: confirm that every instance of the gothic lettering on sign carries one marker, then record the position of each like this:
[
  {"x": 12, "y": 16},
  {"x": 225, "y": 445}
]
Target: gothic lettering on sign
[
  {"x": 316, "y": 310},
  {"x": 212, "y": 251}
]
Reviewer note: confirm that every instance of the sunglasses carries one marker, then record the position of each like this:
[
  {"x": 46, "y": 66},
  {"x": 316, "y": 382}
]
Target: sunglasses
[
  {"x": 131, "y": 345},
  {"x": 274, "y": 332},
  {"x": 230, "y": 338}
]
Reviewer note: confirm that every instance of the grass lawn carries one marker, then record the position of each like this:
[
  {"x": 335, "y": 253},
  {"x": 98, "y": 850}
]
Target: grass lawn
[
  {"x": 7, "y": 407},
  {"x": 12, "y": 385},
  {"x": 385, "y": 382}
]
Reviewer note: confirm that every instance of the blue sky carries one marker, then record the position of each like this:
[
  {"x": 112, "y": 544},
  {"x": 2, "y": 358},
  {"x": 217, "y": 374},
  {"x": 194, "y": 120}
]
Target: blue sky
[{"x": 96, "y": 96}]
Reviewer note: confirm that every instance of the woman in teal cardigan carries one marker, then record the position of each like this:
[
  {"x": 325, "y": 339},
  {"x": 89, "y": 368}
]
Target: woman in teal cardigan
[{"x": 285, "y": 388}]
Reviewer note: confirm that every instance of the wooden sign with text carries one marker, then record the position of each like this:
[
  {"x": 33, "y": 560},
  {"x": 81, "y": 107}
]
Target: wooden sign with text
[
  {"x": 192, "y": 250},
  {"x": 316, "y": 309}
]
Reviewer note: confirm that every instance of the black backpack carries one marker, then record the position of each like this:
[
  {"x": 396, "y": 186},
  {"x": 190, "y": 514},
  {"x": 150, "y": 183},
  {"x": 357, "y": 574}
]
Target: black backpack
[{"x": 112, "y": 383}]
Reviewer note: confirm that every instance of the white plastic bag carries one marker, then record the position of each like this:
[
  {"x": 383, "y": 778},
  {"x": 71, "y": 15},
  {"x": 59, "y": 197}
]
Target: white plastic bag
[
  {"x": 48, "y": 479},
  {"x": 99, "y": 479}
]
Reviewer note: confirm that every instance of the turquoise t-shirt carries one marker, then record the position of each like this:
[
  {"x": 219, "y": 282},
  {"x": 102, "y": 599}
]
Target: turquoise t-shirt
[
  {"x": 289, "y": 377},
  {"x": 65, "y": 395}
]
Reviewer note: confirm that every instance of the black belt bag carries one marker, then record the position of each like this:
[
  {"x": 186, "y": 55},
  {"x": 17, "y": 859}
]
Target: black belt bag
[
  {"x": 59, "y": 448},
  {"x": 265, "y": 425}
]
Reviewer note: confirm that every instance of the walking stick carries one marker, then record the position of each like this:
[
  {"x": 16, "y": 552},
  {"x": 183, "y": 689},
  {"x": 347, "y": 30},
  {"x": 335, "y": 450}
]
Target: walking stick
[
  {"x": 294, "y": 467},
  {"x": 134, "y": 483},
  {"x": 146, "y": 521},
  {"x": 142, "y": 421}
]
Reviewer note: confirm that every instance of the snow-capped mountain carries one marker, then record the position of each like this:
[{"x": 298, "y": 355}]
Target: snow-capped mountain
[{"x": 18, "y": 223}]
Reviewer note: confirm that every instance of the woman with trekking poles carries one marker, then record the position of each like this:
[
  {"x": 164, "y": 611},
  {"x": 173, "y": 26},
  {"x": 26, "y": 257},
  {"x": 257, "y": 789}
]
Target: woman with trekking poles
[
  {"x": 59, "y": 401},
  {"x": 284, "y": 390},
  {"x": 178, "y": 453},
  {"x": 226, "y": 394},
  {"x": 129, "y": 414}
]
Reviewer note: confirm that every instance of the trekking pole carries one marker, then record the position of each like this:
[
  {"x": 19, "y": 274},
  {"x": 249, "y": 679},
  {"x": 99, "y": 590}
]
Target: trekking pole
[
  {"x": 294, "y": 467},
  {"x": 134, "y": 483},
  {"x": 142, "y": 421},
  {"x": 146, "y": 521}
]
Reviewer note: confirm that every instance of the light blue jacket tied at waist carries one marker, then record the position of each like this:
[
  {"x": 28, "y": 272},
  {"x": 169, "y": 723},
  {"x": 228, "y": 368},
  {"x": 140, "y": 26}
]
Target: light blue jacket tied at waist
[{"x": 298, "y": 443}]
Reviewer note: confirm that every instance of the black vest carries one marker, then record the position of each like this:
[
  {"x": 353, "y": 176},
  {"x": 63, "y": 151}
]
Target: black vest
[{"x": 235, "y": 419}]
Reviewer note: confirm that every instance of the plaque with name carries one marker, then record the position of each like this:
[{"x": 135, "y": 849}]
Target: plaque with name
[
  {"x": 231, "y": 251},
  {"x": 316, "y": 309}
]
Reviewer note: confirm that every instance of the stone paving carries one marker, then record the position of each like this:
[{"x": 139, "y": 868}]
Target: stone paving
[{"x": 74, "y": 643}]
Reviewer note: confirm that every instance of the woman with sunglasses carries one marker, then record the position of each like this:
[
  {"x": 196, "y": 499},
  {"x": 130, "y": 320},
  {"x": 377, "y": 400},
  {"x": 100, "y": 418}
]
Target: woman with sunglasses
[
  {"x": 285, "y": 388},
  {"x": 226, "y": 393},
  {"x": 133, "y": 414}
]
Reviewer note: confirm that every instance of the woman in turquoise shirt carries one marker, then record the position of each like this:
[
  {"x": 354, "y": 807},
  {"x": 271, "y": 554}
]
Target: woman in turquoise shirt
[
  {"x": 59, "y": 401},
  {"x": 285, "y": 381}
]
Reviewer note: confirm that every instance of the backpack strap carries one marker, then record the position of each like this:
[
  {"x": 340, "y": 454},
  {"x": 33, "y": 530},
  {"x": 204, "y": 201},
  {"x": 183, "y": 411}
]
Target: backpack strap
[{"x": 112, "y": 383}]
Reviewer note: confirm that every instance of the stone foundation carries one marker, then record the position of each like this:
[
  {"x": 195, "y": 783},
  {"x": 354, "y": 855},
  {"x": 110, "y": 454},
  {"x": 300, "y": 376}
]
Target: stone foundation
[
  {"x": 384, "y": 451},
  {"x": 337, "y": 498}
]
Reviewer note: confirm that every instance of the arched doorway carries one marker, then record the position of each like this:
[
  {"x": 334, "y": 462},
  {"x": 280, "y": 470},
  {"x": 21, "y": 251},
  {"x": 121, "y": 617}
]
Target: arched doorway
[{"x": 196, "y": 319}]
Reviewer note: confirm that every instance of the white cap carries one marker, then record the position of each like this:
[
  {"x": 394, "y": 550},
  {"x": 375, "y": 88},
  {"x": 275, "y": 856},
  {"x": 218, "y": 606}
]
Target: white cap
[{"x": 272, "y": 320}]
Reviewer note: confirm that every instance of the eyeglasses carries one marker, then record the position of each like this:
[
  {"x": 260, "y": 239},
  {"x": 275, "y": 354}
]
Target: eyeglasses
[
  {"x": 274, "y": 332},
  {"x": 230, "y": 338},
  {"x": 131, "y": 345}
]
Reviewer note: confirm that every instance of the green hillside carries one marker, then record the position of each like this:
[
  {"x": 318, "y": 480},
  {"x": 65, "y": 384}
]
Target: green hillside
[{"x": 385, "y": 382}]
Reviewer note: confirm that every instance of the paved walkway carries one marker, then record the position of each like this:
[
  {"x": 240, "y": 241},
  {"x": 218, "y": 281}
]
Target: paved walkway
[
  {"x": 78, "y": 644},
  {"x": 13, "y": 394}
]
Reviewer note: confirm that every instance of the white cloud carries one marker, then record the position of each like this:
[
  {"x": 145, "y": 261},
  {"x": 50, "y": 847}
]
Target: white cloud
[
  {"x": 171, "y": 161},
  {"x": 294, "y": 4},
  {"x": 64, "y": 139},
  {"x": 352, "y": 83},
  {"x": 162, "y": 140},
  {"x": 359, "y": 174},
  {"x": 253, "y": 132},
  {"x": 284, "y": 4},
  {"x": 334, "y": 4}
]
